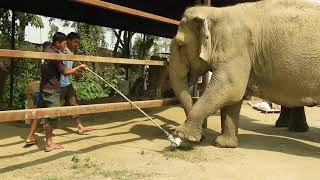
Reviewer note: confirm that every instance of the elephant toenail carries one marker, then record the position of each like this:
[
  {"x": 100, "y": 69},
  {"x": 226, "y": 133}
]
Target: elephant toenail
[
  {"x": 181, "y": 134},
  {"x": 193, "y": 138}
]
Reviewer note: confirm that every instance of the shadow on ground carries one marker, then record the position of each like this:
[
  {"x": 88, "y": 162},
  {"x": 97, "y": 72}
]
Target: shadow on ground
[{"x": 267, "y": 138}]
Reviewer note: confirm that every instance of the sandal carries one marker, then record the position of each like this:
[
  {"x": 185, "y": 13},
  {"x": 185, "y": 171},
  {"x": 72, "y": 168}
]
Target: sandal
[{"x": 30, "y": 142}]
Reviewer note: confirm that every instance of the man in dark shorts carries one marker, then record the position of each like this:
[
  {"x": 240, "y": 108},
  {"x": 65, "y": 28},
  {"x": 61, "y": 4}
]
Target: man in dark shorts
[
  {"x": 32, "y": 92},
  {"x": 50, "y": 88}
]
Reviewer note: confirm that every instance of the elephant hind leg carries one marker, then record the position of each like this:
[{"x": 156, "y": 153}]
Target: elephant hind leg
[
  {"x": 283, "y": 120},
  {"x": 229, "y": 123},
  {"x": 293, "y": 118},
  {"x": 297, "y": 120},
  {"x": 223, "y": 118}
]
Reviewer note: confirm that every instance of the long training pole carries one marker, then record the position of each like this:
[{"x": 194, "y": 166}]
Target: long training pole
[{"x": 125, "y": 97}]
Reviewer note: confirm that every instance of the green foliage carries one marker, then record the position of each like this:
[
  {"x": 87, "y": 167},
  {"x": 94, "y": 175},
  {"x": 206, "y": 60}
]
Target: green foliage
[
  {"x": 161, "y": 45},
  {"x": 5, "y": 21},
  {"x": 89, "y": 88},
  {"x": 142, "y": 45},
  {"x": 53, "y": 29},
  {"x": 135, "y": 72},
  {"x": 91, "y": 37},
  {"x": 22, "y": 21},
  {"x": 27, "y": 71},
  {"x": 145, "y": 46}
]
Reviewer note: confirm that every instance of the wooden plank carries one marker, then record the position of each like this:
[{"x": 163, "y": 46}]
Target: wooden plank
[
  {"x": 63, "y": 57},
  {"x": 15, "y": 115},
  {"x": 126, "y": 10}
]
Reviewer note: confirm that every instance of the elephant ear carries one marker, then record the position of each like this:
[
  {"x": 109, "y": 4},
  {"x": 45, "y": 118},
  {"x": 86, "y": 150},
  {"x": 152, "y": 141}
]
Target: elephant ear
[{"x": 205, "y": 39}]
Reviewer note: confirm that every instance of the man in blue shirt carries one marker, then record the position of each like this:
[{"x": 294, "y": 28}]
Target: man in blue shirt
[{"x": 68, "y": 94}]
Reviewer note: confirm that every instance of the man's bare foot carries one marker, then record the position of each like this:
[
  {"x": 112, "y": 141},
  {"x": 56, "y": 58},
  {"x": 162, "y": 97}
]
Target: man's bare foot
[
  {"x": 82, "y": 130},
  {"x": 52, "y": 147}
]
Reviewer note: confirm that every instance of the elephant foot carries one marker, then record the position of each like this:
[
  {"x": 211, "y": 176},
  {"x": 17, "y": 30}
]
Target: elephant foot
[
  {"x": 299, "y": 127},
  {"x": 224, "y": 141},
  {"x": 298, "y": 122},
  {"x": 281, "y": 123},
  {"x": 283, "y": 120},
  {"x": 189, "y": 132}
]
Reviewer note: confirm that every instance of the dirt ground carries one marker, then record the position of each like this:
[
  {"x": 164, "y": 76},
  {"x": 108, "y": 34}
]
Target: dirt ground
[{"x": 125, "y": 145}]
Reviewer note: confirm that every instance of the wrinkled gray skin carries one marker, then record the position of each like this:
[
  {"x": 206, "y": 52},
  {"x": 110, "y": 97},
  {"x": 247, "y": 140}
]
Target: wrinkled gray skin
[{"x": 271, "y": 47}]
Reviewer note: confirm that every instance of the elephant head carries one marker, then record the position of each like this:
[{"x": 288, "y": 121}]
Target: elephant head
[{"x": 190, "y": 53}]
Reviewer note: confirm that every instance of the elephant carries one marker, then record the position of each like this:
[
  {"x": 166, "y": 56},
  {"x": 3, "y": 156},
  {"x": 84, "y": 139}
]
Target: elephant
[
  {"x": 293, "y": 118},
  {"x": 270, "y": 47}
]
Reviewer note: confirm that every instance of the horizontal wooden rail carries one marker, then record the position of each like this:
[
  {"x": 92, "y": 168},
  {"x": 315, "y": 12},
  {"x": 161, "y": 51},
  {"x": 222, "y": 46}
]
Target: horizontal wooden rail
[
  {"x": 126, "y": 10},
  {"x": 64, "y": 57},
  {"x": 15, "y": 115}
]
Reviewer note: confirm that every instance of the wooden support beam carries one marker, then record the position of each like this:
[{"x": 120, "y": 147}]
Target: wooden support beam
[
  {"x": 15, "y": 115},
  {"x": 12, "y": 63},
  {"x": 63, "y": 57},
  {"x": 126, "y": 10}
]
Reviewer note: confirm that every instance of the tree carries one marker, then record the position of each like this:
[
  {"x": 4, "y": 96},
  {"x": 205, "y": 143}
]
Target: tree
[
  {"x": 22, "y": 21},
  {"x": 123, "y": 43},
  {"x": 161, "y": 45},
  {"x": 142, "y": 45},
  {"x": 53, "y": 29},
  {"x": 92, "y": 37}
]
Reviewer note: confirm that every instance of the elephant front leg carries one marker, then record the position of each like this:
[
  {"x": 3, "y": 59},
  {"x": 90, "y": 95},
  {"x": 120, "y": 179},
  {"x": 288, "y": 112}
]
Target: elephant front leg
[
  {"x": 226, "y": 89},
  {"x": 229, "y": 125}
]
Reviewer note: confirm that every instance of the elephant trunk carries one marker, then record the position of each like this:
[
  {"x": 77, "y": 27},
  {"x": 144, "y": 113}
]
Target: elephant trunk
[{"x": 178, "y": 71}]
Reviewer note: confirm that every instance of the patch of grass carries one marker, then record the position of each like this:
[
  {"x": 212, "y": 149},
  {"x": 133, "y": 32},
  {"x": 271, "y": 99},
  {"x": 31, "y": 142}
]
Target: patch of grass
[
  {"x": 51, "y": 178},
  {"x": 80, "y": 163},
  {"x": 187, "y": 154},
  {"x": 122, "y": 174},
  {"x": 87, "y": 166}
]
